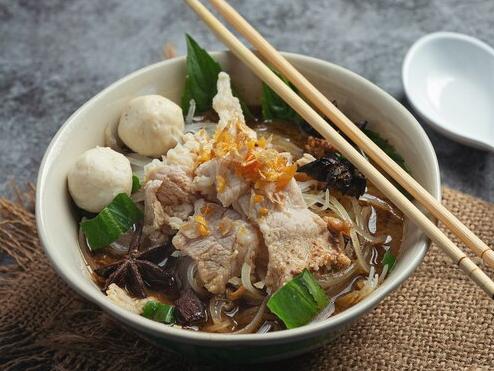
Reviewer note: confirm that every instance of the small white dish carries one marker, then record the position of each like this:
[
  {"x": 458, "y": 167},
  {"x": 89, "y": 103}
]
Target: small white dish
[{"x": 449, "y": 80}]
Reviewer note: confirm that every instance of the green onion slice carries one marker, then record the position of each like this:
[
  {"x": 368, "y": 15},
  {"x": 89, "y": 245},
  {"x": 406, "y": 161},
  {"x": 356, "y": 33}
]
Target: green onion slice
[
  {"x": 159, "y": 312},
  {"x": 299, "y": 300},
  {"x": 113, "y": 221},
  {"x": 389, "y": 260},
  {"x": 136, "y": 184}
]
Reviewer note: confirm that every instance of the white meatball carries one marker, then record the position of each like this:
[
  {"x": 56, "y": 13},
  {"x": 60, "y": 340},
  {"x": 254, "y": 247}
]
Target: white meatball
[
  {"x": 97, "y": 177},
  {"x": 150, "y": 125}
]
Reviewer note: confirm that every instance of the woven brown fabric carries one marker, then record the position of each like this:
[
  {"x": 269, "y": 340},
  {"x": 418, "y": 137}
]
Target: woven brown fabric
[{"x": 436, "y": 320}]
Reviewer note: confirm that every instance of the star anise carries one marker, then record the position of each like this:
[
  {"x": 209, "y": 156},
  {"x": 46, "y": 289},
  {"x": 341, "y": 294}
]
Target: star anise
[{"x": 139, "y": 269}]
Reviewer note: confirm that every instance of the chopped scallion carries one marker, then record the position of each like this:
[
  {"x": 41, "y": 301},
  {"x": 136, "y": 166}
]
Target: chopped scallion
[
  {"x": 136, "y": 183},
  {"x": 389, "y": 260},
  {"x": 159, "y": 312},
  {"x": 299, "y": 300},
  {"x": 111, "y": 222}
]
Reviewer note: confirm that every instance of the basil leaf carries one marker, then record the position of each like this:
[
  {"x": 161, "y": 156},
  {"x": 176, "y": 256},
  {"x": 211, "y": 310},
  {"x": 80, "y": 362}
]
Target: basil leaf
[
  {"x": 136, "y": 184},
  {"x": 201, "y": 77},
  {"x": 387, "y": 148},
  {"x": 389, "y": 260},
  {"x": 111, "y": 222},
  {"x": 298, "y": 301},
  {"x": 273, "y": 107}
]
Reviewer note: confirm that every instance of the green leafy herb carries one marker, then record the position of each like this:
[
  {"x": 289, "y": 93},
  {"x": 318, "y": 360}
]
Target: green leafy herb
[
  {"x": 159, "y": 312},
  {"x": 299, "y": 300},
  {"x": 389, "y": 260},
  {"x": 136, "y": 183},
  {"x": 113, "y": 221},
  {"x": 200, "y": 79},
  {"x": 273, "y": 107},
  {"x": 387, "y": 148}
]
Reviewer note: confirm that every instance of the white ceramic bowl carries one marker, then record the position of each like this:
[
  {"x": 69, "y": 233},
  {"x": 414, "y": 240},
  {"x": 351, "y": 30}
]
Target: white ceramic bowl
[
  {"x": 449, "y": 80},
  {"x": 84, "y": 129}
]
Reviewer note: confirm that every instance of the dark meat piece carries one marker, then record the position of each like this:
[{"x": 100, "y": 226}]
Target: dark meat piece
[
  {"x": 139, "y": 269},
  {"x": 337, "y": 172},
  {"x": 190, "y": 309}
]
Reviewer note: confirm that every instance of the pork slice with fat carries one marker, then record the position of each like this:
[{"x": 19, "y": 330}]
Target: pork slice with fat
[
  {"x": 295, "y": 237},
  {"x": 219, "y": 241}
]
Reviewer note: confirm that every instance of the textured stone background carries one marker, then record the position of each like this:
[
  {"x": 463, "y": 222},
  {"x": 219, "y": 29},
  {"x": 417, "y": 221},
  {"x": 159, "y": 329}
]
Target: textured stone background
[{"x": 56, "y": 54}]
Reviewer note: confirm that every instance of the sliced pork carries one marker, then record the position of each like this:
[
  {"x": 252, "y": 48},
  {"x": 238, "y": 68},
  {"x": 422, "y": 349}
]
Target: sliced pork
[
  {"x": 295, "y": 237},
  {"x": 218, "y": 182},
  {"x": 219, "y": 241},
  {"x": 169, "y": 197}
]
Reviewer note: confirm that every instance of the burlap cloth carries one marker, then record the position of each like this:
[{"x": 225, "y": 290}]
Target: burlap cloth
[{"x": 437, "y": 320}]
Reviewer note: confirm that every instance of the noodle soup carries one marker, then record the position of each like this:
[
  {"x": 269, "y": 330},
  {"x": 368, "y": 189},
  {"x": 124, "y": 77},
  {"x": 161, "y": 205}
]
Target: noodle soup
[{"x": 220, "y": 217}]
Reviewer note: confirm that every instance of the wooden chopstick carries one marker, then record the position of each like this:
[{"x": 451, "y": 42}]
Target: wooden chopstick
[
  {"x": 345, "y": 148},
  {"x": 310, "y": 92}
]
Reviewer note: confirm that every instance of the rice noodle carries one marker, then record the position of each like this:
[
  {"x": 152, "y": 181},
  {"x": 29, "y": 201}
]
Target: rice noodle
[
  {"x": 138, "y": 172},
  {"x": 247, "y": 283},
  {"x": 86, "y": 251},
  {"x": 358, "y": 251},
  {"x": 138, "y": 196},
  {"x": 138, "y": 160},
  {"x": 265, "y": 327},
  {"x": 353, "y": 297},
  {"x": 281, "y": 144},
  {"x": 194, "y": 127},
  {"x": 380, "y": 204},
  {"x": 332, "y": 280},
  {"x": 372, "y": 278},
  {"x": 118, "y": 248},
  {"x": 216, "y": 305},
  {"x": 325, "y": 313},
  {"x": 308, "y": 184},
  {"x": 235, "y": 281},
  {"x": 383, "y": 273},
  {"x": 237, "y": 294},
  {"x": 191, "y": 279},
  {"x": 341, "y": 242},
  {"x": 361, "y": 226},
  {"x": 190, "y": 113},
  {"x": 253, "y": 325},
  {"x": 327, "y": 201},
  {"x": 225, "y": 326}
]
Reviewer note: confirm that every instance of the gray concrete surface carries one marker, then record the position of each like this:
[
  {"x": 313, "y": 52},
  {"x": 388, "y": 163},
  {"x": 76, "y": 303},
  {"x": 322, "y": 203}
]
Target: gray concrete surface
[{"x": 56, "y": 54}]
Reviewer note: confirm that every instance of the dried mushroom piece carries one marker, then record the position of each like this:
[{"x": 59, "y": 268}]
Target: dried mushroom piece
[
  {"x": 190, "y": 309},
  {"x": 337, "y": 172}
]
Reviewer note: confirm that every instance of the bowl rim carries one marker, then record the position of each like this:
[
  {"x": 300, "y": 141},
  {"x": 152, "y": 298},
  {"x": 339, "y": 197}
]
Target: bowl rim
[
  {"x": 213, "y": 339},
  {"x": 437, "y": 123}
]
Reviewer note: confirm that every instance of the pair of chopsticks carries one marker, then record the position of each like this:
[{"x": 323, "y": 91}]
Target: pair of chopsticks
[{"x": 345, "y": 148}]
